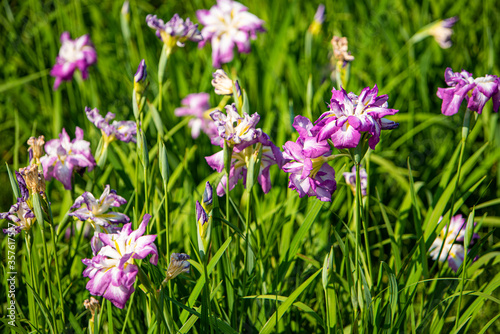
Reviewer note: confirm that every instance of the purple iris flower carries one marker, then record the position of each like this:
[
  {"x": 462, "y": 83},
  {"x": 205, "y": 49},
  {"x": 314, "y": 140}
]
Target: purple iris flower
[
  {"x": 126, "y": 131},
  {"x": 96, "y": 210},
  {"x": 78, "y": 53},
  {"x": 197, "y": 105},
  {"x": 306, "y": 161},
  {"x": 350, "y": 116},
  {"x": 25, "y": 194},
  {"x": 228, "y": 24},
  {"x": 452, "y": 251},
  {"x": 63, "y": 156},
  {"x": 350, "y": 179},
  {"x": 21, "y": 215},
  {"x": 112, "y": 271},
  {"x": 176, "y": 31},
  {"x": 475, "y": 91},
  {"x": 239, "y": 163},
  {"x": 233, "y": 128}
]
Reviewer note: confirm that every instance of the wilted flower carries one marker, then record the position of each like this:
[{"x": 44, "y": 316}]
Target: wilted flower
[
  {"x": 340, "y": 46},
  {"x": 174, "y": 32},
  {"x": 126, "y": 131},
  {"x": 307, "y": 162},
  {"x": 93, "y": 306},
  {"x": 475, "y": 91},
  {"x": 452, "y": 251},
  {"x": 21, "y": 215},
  {"x": 319, "y": 18},
  {"x": 78, "y": 53},
  {"x": 441, "y": 31},
  {"x": 240, "y": 162},
  {"x": 235, "y": 129},
  {"x": 63, "y": 155},
  {"x": 96, "y": 211},
  {"x": 228, "y": 24},
  {"x": 34, "y": 180},
  {"x": 350, "y": 116},
  {"x": 36, "y": 148},
  {"x": 112, "y": 271},
  {"x": 25, "y": 194},
  {"x": 197, "y": 105},
  {"x": 222, "y": 83},
  {"x": 178, "y": 264},
  {"x": 350, "y": 179}
]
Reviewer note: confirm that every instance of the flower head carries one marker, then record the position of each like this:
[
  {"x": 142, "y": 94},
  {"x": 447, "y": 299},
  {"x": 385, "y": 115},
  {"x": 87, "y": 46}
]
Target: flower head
[
  {"x": 21, "y": 215},
  {"x": 197, "y": 105},
  {"x": 176, "y": 31},
  {"x": 240, "y": 160},
  {"x": 25, "y": 194},
  {"x": 452, "y": 250},
  {"x": 34, "y": 180},
  {"x": 233, "y": 128},
  {"x": 36, "y": 148},
  {"x": 350, "y": 116},
  {"x": 78, "y": 53},
  {"x": 178, "y": 264},
  {"x": 112, "y": 271},
  {"x": 340, "y": 46},
  {"x": 93, "y": 306},
  {"x": 350, "y": 179},
  {"x": 63, "y": 156},
  {"x": 223, "y": 84},
  {"x": 228, "y": 24},
  {"x": 306, "y": 161},
  {"x": 475, "y": 91},
  {"x": 442, "y": 31},
  {"x": 126, "y": 131},
  {"x": 96, "y": 210}
]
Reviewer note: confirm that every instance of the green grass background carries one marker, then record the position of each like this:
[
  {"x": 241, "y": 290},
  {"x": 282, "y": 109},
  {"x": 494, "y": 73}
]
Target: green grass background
[{"x": 281, "y": 82}]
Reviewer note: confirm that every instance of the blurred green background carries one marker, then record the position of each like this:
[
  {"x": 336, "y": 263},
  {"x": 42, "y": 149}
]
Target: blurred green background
[{"x": 281, "y": 81}]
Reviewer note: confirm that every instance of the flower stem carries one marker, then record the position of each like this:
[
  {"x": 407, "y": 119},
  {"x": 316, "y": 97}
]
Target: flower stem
[{"x": 365, "y": 230}]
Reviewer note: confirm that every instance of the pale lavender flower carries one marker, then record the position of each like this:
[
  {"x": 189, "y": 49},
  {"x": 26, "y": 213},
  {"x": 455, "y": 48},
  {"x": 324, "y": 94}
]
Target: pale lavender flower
[
  {"x": 475, "y": 91},
  {"x": 442, "y": 31},
  {"x": 350, "y": 179},
  {"x": 228, "y": 24},
  {"x": 63, "y": 156},
  {"x": 126, "y": 131},
  {"x": 112, "y": 271},
  {"x": 78, "y": 53},
  {"x": 307, "y": 162},
  {"x": 21, "y": 215},
  {"x": 233, "y": 128},
  {"x": 197, "y": 105},
  {"x": 452, "y": 250},
  {"x": 96, "y": 210},
  {"x": 351, "y": 116},
  {"x": 176, "y": 31},
  {"x": 178, "y": 264},
  {"x": 240, "y": 159}
]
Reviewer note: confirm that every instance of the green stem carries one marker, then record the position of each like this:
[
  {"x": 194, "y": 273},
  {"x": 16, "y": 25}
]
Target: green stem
[
  {"x": 247, "y": 253},
  {"x": 58, "y": 275},
  {"x": 165, "y": 53},
  {"x": 32, "y": 276},
  {"x": 365, "y": 230},
  {"x": 47, "y": 273}
]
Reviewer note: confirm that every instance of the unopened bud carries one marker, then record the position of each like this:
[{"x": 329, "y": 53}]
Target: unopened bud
[{"x": 222, "y": 83}]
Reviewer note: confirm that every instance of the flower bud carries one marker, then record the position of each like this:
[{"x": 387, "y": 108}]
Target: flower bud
[
  {"x": 178, "y": 264},
  {"x": 222, "y": 83}
]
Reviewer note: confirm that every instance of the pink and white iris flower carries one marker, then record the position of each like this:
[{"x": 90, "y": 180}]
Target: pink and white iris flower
[
  {"x": 73, "y": 54},
  {"x": 225, "y": 25},
  {"x": 112, "y": 271},
  {"x": 63, "y": 156}
]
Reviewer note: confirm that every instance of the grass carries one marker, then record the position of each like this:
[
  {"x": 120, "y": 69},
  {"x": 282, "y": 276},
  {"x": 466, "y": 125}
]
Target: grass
[{"x": 287, "y": 264}]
